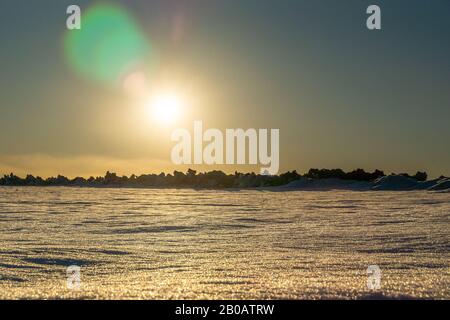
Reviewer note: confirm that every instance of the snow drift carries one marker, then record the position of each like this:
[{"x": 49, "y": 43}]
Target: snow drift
[{"x": 386, "y": 183}]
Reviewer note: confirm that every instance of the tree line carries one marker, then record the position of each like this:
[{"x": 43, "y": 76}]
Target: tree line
[{"x": 211, "y": 179}]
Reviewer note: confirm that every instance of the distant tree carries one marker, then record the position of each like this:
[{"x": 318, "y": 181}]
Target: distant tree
[
  {"x": 421, "y": 176},
  {"x": 377, "y": 174},
  {"x": 78, "y": 181},
  {"x": 111, "y": 178}
]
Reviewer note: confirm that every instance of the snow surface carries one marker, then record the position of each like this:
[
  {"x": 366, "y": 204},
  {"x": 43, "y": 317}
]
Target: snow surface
[
  {"x": 164, "y": 244},
  {"x": 386, "y": 183}
]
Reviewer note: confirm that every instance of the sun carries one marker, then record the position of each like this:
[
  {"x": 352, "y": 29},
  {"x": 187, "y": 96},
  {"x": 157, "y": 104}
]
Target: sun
[{"x": 166, "y": 108}]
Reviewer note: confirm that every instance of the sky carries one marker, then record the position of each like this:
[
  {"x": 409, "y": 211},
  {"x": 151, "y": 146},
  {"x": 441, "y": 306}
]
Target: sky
[{"x": 341, "y": 95}]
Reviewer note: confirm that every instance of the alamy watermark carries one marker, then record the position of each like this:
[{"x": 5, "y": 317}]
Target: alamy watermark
[
  {"x": 73, "y": 274},
  {"x": 221, "y": 147},
  {"x": 374, "y": 20},
  {"x": 373, "y": 277},
  {"x": 73, "y": 21}
]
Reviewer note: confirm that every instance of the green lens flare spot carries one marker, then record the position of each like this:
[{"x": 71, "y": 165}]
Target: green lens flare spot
[{"x": 108, "y": 44}]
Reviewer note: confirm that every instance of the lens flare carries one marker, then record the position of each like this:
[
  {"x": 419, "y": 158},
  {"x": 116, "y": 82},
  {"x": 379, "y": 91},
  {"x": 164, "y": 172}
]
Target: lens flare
[
  {"x": 108, "y": 45},
  {"x": 135, "y": 84}
]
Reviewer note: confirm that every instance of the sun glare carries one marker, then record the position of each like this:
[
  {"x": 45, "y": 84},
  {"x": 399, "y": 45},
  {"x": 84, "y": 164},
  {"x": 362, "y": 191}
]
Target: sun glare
[{"x": 166, "y": 107}]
